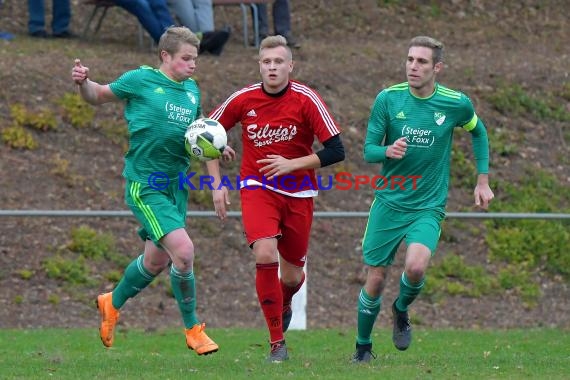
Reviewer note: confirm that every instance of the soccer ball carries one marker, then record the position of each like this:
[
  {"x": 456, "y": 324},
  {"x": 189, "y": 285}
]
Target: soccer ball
[{"x": 205, "y": 139}]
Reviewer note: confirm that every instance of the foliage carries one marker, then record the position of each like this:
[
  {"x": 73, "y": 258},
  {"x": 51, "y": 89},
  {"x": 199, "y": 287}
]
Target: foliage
[
  {"x": 87, "y": 245},
  {"x": 74, "y": 271},
  {"x": 19, "y": 114},
  {"x": 381, "y": 3},
  {"x": 96, "y": 246},
  {"x": 18, "y": 138},
  {"x": 117, "y": 133},
  {"x": 565, "y": 92},
  {"x": 113, "y": 276},
  {"x": 54, "y": 299},
  {"x": 90, "y": 244},
  {"x": 43, "y": 120},
  {"x": 61, "y": 168},
  {"x": 76, "y": 111},
  {"x": 513, "y": 100},
  {"x": 25, "y": 274},
  {"x": 519, "y": 279},
  {"x": 532, "y": 243},
  {"x": 452, "y": 276},
  {"x": 462, "y": 169},
  {"x": 503, "y": 142}
]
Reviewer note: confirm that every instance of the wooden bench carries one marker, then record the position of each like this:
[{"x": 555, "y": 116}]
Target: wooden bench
[{"x": 244, "y": 5}]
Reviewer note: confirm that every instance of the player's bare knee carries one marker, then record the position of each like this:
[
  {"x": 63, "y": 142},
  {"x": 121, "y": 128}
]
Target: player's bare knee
[
  {"x": 375, "y": 282},
  {"x": 156, "y": 268},
  {"x": 264, "y": 258},
  {"x": 184, "y": 262},
  {"x": 291, "y": 281},
  {"x": 264, "y": 254},
  {"x": 415, "y": 273},
  {"x": 155, "y": 264},
  {"x": 291, "y": 275}
]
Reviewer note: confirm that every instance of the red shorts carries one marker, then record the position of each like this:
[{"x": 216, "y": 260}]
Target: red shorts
[{"x": 268, "y": 214}]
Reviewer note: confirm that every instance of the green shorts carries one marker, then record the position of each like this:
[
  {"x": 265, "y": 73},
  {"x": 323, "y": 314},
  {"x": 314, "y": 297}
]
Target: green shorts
[
  {"x": 387, "y": 228},
  {"x": 158, "y": 211}
]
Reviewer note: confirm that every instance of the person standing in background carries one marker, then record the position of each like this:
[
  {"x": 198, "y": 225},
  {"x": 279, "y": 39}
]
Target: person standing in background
[
  {"x": 281, "y": 21},
  {"x": 198, "y": 15},
  {"x": 61, "y": 17},
  {"x": 153, "y": 15}
]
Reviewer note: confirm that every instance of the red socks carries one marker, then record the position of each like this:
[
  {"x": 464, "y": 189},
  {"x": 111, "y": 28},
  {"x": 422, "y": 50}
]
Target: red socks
[
  {"x": 288, "y": 292},
  {"x": 270, "y": 298}
]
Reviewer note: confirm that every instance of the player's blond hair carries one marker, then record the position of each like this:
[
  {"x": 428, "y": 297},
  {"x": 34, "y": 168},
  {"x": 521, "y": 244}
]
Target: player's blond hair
[
  {"x": 429, "y": 42},
  {"x": 174, "y": 37},
  {"x": 273, "y": 42}
]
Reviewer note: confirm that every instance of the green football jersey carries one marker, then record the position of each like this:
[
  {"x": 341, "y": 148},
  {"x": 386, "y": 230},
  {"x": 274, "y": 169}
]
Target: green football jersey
[
  {"x": 420, "y": 180},
  {"x": 158, "y": 111}
]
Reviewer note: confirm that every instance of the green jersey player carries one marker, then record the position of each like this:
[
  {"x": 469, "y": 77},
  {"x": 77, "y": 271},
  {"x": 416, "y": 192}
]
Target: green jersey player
[
  {"x": 410, "y": 131},
  {"x": 159, "y": 105}
]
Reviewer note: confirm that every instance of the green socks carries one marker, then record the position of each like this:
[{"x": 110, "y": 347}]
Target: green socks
[
  {"x": 368, "y": 310},
  {"x": 135, "y": 279},
  {"x": 184, "y": 289},
  {"x": 408, "y": 292}
]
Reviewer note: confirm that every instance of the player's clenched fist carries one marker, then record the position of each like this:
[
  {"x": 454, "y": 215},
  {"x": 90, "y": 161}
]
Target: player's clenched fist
[
  {"x": 398, "y": 149},
  {"x": 79, "y": 73}
]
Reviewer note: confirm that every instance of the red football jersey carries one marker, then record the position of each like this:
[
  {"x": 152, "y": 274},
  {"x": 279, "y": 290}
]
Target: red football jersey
[{"x": 285, "y": 124}]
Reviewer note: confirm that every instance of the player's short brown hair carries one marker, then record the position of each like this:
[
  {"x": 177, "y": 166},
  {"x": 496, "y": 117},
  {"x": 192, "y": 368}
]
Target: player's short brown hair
[
  {"x": 429, "y": 42},
  {"x": 175, "y": 36}
]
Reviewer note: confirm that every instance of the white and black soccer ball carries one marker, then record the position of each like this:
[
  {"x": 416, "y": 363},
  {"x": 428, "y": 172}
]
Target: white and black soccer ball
[{"x": 205, "y": 139}]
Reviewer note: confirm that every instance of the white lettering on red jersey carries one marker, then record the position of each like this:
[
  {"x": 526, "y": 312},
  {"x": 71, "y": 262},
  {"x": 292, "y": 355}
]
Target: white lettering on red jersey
[{"x": 284, "y": 125}]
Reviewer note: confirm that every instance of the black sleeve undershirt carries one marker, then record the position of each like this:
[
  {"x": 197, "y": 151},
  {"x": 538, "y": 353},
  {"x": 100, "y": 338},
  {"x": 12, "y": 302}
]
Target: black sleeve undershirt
[{"x": 332, "y": 152}]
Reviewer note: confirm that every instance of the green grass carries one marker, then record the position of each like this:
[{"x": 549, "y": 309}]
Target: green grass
[{"x": 434, "y": 354}]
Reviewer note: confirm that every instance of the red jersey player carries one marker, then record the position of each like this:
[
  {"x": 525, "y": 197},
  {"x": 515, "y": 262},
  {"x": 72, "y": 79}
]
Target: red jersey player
[{"x": 280, "y": 119}]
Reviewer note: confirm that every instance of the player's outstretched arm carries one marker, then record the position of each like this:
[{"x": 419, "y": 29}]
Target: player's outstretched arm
[{"x": 92, "y": 92}]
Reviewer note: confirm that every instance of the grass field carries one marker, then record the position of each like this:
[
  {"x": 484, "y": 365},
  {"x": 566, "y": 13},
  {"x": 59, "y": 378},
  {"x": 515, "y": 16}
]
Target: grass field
[{"x": 434, "y": 354}]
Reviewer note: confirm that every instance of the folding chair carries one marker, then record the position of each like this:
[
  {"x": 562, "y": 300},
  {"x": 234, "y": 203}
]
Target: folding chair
[
  {"x": 102, "y": 6},
  {"x": 244, "y": 9}
]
